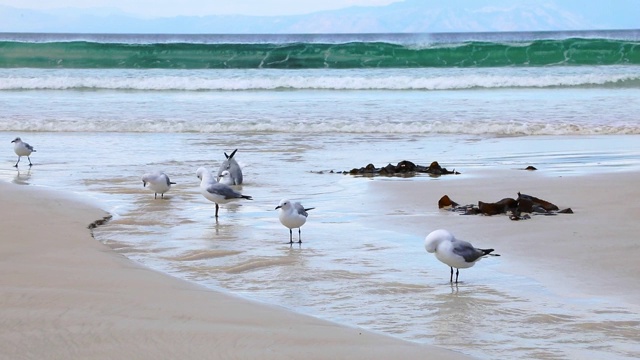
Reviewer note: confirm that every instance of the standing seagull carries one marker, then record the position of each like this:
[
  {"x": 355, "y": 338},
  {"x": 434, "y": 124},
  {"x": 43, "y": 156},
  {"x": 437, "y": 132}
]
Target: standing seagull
[
  {"x": 292, "y": 215},
  {"x": 232, "y": 166},
  {"x": 216, "y": 192},
  {"x": 21, "y": 149},
  {"x": 158, "y": 183},
  {"x": 456, "y": 253}
]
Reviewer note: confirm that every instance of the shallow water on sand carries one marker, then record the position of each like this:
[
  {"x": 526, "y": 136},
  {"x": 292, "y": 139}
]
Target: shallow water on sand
[{"x": 350, "y": 268}]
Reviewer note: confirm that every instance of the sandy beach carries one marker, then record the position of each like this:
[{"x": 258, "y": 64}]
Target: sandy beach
[
  {"x": 164, "y": 278},
  {"x": 67, "y": 296}
]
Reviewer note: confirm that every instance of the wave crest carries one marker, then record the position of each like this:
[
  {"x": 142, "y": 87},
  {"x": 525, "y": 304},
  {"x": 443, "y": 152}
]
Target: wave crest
[{"x": 311, "y": 55}]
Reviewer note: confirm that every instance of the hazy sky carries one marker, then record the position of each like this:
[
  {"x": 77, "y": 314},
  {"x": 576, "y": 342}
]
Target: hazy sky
[
  {"x": 408, "y": 16},
  {"x": 154, "y": 8}
]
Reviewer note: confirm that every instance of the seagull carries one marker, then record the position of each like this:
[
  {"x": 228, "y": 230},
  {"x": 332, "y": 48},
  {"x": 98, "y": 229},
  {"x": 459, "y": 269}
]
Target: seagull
[
  {"x": 216, "y": 192},
  {"x": 225, "y": 178},
  {"x": 292, "y": 215},
  {"x": 231, "y": 165},
  {"x": 456, "y": 253},
  {"x": 158, "y": 183},
  {"x": 21, "y": 149}
]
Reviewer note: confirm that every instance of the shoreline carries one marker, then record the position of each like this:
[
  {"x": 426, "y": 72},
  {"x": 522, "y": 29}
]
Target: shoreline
[{"x": 69, "y": 296}]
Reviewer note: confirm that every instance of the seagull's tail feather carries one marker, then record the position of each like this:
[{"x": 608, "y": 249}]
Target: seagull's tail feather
[
  {"x": 172, "y": 183},
  {"x": 230, "y": 156},
  {"x": 246, "y": 197},
  {"x": 488, "y": 252},
  {"x": 307, "y": 209}
]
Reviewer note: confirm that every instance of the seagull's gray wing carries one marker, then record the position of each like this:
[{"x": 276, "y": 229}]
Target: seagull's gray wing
[
  {"x": 224, "y": 190},
  {"x": 467, "y": 251},
  {"x": 300, "y": 209},
  {"x": 221, "y": 190}
]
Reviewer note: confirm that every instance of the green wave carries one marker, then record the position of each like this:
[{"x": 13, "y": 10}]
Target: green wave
[{"x": 352, "y": 55}]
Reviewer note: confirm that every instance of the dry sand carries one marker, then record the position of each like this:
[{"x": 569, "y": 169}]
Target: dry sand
[
  {"x": 592, "y": 252},
  {"x": 64, "y": 295}
]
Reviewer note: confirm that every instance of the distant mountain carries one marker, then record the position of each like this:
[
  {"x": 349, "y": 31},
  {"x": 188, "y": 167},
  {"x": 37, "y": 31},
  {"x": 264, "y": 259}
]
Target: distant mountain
[{"x": 409, "y": 16}]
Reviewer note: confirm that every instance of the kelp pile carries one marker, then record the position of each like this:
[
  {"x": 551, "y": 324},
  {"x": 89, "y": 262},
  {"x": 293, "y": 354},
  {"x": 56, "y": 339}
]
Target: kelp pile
[
  {"x": 403, "y": 168},
  {"x": 517, "y": 209}
]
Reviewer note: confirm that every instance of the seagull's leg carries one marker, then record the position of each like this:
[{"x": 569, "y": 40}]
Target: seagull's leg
[
  {"x": 16, "y": 165},
  {"x": 290, "y": 236},
  {"x": 451, "y": 278},
  {"x": 155, "y": 195},
  {"x": 299, "y": 238},
  {"x": 162, "y": 196},
  {"x": 457, "y": 272},
  {"x": 217, "y": 210},
  {"x": 29, "y": 161}
]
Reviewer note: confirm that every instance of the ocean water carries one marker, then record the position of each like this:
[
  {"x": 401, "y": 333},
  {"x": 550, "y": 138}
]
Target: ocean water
[{"x": 104, "y": 109}]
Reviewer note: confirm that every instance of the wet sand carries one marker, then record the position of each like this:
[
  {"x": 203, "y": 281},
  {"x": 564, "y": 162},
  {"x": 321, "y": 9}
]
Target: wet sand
[
  {"x": 589, "y": 253},
  {"x": 67, "y": 296}
]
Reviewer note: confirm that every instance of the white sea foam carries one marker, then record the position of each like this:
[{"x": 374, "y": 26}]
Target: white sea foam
[
  {"x": 325, "y": 83},
  {"x": 501, "y": 102},
  {"x": 494, "y": 128},
  {"x": 412, "y": 79}
]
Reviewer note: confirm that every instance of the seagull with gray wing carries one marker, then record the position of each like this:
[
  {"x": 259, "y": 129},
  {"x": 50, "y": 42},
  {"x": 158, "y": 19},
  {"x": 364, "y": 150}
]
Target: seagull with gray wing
[
  {"x": 217, "y": 192},
  {"x": 456, "y": 253},
  {"x": 21, "y": 149},
  {"x": 292, "y": 215},
  {"x": 231, "y": 166},
  {"x": 158, "y": 182}
]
